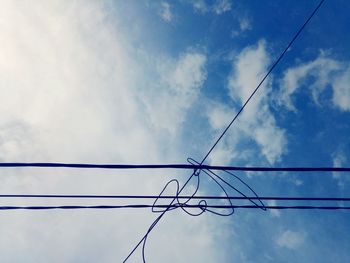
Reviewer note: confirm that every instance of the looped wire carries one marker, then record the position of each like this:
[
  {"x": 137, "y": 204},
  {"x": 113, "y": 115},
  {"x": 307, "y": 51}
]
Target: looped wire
[{"x": 202, "y": 204}]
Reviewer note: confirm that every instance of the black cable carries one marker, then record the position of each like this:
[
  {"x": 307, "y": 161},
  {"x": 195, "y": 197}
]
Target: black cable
[
  {"x": 136, "y": 206},
  {"x": 209, "y": 197},
  {"x": 197, "y": 166}
]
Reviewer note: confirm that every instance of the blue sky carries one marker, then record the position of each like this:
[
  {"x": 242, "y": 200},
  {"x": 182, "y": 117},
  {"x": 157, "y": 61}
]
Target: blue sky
[{"x": 156, "y": 82}]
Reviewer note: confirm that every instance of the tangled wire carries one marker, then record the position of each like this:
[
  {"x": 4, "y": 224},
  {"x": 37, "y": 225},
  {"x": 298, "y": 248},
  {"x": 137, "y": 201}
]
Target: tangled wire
[{"x": 203, "y": 206}]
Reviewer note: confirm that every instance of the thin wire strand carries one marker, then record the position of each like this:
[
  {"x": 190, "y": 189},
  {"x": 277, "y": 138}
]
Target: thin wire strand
[
  {"x": 263, "y": 79},
  {"x": 197, "y": 166},
  {"x": 140, "y": 206},
  {"x": 209, "y": 197}
]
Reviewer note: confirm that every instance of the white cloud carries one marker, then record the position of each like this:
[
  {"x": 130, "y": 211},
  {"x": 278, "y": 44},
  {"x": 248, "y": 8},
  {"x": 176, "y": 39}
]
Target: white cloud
[
  {"x": 339, "y": 160},
  {"x": 341, "y": 91},
  {"x": 165, "y": 12},
  {"x": 256, "y": 122},
  {"x": 298, "y": 182},
  {"x": 218, "y": 7},
  {"x": 178, "y": 88},
  {"x": 222, "y": 6},
  {"x": 290, "y": 239},
  {"x": 319, "y": 74},
  {"x": 273, "y": 212},
  {"x": 200, "y": 6},
  {"x": 244, "y": 25},
  {"x": 70, "y": 85},
  {"x": 248, "y": 69},
  {"x": 219, "y": 115}
]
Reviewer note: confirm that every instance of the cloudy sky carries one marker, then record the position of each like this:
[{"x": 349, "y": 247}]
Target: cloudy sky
[{"x": 156, "y": 82}]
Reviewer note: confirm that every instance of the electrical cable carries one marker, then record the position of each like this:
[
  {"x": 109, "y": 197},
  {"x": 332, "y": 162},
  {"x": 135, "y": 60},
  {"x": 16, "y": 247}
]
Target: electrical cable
[
  {"x": 209, "y": 197},
  {"x": 136, "y": 206},
  {"x": 197, "y": 166}
]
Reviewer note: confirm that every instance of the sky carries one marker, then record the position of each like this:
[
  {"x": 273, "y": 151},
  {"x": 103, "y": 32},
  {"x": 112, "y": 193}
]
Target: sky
[{"x": 157, "y": 82}]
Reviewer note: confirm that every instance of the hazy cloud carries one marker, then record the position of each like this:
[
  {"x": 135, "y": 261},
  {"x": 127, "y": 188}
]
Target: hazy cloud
[
  {"x": 222, "y": 6},
  {"x": 165, "y": 12},
  {"x": 217, "y": 7},
  {"x": 273, "y": 212},
  {"x": 200, "y": 6},
  {"x": 70, "y": 84},
  {"x": 339, "y": 160},
  {"x": 290, "y": 239},
  {"x": 178, "y": 86},
  {"x": 256, "y": 122},
  {"x": 341, "y": 90},
  {"x": 244, "y": 25},
  {"x": 318, "y": 75}
]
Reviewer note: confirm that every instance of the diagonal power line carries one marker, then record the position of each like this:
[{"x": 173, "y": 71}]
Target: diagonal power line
[{"x": 264, "y": 78}]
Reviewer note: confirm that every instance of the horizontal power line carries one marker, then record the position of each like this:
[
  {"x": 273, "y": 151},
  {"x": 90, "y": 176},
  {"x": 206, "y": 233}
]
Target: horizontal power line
[
  {"x": 175, "y": 166},
  {"x": 276, "y": 198},
  {"x": 135, "y": 206}
]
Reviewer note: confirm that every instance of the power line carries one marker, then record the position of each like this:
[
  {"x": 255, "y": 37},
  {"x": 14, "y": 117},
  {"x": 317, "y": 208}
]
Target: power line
[
  {"x": 209, "y": 197},
  {"x": 174, "y": 166},
  {"x": 142, "y": 206}
]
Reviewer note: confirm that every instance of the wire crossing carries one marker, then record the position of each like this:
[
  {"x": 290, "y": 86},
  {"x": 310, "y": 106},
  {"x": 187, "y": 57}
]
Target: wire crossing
[
  {"x": 178, "y": 201},
  {"x": 217, "y": 179}
]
